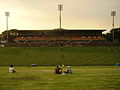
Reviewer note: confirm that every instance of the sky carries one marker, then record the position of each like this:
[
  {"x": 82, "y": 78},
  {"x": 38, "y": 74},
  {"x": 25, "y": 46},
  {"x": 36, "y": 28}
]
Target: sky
[{"x": 44, "y": 14}]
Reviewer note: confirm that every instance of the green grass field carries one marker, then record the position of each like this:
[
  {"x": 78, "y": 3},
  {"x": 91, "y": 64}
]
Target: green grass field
[
  {"x": 60, "y": 55},
  {"x": 43, "y": 78}
]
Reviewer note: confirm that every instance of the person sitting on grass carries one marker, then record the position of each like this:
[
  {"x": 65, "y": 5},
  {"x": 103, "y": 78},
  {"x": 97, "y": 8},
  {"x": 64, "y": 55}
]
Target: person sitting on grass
[
  {"x": 58, "y": 70},
  {"x": 11, "y": 69},
  {"x": 69, "y": 70}
]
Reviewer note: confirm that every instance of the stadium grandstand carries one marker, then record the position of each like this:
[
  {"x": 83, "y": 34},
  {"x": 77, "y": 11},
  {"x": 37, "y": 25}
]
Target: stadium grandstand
[{"x": 55, "y": 37}]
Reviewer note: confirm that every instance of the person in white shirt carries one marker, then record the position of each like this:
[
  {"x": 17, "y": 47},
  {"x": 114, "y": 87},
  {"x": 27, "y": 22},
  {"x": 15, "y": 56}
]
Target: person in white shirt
[
  {"x": 69, "y": 70},
  {"x": 11, "y": 69}
]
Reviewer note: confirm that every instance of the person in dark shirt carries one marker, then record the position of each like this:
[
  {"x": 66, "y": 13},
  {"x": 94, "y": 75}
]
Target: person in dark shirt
[{"x": 58, "y": 70}]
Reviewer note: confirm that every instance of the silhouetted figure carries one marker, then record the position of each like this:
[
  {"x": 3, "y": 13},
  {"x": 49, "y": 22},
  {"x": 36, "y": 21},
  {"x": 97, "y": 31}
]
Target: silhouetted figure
[
  {"x": 58, "y": 70},
  {"x": 11, "y": 69}
]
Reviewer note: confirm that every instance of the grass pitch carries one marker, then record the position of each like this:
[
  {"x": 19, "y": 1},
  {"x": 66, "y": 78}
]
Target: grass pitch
[
  {"x": 43, "y": 78},
  {"x": 60, "y": 55}
]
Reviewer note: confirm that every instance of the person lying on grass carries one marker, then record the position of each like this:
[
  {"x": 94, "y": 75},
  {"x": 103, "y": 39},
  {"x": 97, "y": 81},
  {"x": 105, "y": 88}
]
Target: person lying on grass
[{"x": 11, "y": 69}]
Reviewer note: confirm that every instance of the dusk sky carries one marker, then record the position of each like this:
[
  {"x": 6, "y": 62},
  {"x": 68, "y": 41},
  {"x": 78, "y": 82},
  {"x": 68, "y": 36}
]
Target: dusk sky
[{"x": 43, "y": 14}]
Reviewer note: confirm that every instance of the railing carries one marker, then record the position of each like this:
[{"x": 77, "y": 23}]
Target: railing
[{"x": 60, "y": 38}]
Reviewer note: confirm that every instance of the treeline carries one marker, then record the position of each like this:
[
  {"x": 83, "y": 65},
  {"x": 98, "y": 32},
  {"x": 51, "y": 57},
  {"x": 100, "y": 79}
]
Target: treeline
[{"x": 113, "y": 36}]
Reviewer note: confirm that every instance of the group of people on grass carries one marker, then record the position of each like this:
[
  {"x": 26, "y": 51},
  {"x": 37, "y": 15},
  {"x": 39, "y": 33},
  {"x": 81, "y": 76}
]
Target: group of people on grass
[{"x": 59, "y": 70}]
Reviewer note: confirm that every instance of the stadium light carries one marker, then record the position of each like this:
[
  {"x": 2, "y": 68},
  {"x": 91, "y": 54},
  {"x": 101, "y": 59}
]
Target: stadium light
[
  {"x": 113, "y": 14},
  {"x": 7, "y": 14},
  {"x": 60, "y": 8}
]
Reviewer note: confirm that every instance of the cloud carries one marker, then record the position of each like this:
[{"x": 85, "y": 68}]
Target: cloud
[{"x": 44, "y": 13}]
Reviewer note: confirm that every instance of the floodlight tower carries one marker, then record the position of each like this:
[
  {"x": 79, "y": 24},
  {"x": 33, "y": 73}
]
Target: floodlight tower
[
  {"x": 113, "y": 14},
  {"x": 7, "y": 14},
  {"x": 60, "y": 8}
]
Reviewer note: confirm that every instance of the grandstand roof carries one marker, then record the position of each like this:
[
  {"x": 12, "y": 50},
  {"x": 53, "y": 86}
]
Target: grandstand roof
[
  {"x": 82, "y": 29},
  {"x": 62, "y": 30}
]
